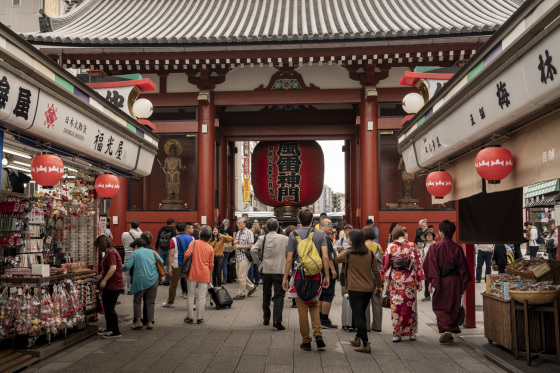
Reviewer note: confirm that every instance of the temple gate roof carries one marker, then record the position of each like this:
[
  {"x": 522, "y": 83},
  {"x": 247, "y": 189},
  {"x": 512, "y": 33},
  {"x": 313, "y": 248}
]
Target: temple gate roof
[{"x": 130, "y": 22}]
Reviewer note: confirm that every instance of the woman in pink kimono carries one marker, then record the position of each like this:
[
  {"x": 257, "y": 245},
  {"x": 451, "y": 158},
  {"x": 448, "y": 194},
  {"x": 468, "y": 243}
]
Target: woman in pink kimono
[{"x": 403, "y": 272}]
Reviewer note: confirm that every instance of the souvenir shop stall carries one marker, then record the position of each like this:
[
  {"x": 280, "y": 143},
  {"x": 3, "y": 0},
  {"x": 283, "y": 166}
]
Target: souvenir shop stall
[
  {"x": 64, "y": 147},
  {"x": 488, "y": 132},
  {"x": 521, "y": 309}
]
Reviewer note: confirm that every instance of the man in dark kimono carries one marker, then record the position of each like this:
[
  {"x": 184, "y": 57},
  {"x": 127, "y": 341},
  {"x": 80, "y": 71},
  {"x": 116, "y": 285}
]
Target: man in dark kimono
[{"x": 447, "y": 272}]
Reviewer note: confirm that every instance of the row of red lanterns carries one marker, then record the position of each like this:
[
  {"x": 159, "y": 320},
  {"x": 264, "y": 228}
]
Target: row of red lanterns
[
  {"x": 48, "y": 169},
  {"x": 493, "y": 164}
]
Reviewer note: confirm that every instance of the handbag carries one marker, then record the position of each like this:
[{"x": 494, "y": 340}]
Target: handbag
[
  {"x": 461, "y": 318},
  {"x": 228, "y": 247},
  {"x": 343, "y": 276},
  {"x": 186, "y": 266},
  {"x": 386, "y": 300},
  {"x": 160, "y": 268}
]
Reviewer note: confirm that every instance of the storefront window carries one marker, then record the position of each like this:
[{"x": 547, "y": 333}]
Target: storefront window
[
  {"x": 398, "y": 189},
  {"x": 158, "y": 191}
]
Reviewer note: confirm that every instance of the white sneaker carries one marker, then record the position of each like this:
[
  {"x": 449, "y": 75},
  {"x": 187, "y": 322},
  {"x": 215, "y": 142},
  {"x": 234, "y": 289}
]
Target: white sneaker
[
  {"x": 167, "y": 305},
  {"x": 412, "y": 337},
  {"x": 185, "y": 295},
  {"x": 396, "y": 339}
]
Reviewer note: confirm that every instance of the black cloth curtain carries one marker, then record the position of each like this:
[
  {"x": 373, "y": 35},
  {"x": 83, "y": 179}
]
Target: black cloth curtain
[{"x": 495, "y": 218}]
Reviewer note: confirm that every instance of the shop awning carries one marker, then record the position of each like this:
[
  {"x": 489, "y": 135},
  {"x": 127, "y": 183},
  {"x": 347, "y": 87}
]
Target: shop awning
[
  {"x": 503, "y": 95},
  {"x": 545, "y": 187},
  {"x": 549, "y": 200},
  {"x": 47, "y": 108}
]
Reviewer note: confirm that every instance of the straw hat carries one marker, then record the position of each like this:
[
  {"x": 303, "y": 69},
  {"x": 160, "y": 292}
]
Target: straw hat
[{"x": 423, "y": 237}]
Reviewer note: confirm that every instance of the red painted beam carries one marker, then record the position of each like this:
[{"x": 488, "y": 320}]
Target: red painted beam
[
  {"x": 304, "y": 97},
  {"x": 283, "y": 132}
]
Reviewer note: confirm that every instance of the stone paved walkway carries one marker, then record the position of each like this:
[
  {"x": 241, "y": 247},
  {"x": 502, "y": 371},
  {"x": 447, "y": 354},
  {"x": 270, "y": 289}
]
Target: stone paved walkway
[{"x": 234, "y": 340}]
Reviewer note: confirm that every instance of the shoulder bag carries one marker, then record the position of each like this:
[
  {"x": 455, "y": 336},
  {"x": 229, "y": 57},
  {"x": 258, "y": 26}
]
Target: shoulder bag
[
  {"x": 186, "y": 266},
  {"x": 343, "y": 276},
  {"x": 261, "y": 255},
  {"x": 246, "y": 251},
  {"x": 160, "y": 268},
  {"x": 228, "y": 247}
]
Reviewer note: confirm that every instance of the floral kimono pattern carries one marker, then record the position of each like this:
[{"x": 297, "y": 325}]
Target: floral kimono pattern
[{"x": 402, "y": 287}]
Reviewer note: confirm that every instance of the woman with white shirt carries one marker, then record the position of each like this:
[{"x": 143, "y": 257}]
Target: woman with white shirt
[
  {"x": 429, "y": 237},
  {"x": 552, "y": 253}
]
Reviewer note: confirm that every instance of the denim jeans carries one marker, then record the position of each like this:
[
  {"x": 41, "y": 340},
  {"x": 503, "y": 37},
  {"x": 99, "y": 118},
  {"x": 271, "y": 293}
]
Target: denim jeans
[
  {"x": 165, "y": 257},
  {"x": 254, "y": 274},
  {"x": 483, "y": 258},
  {"x": 226, "y": 260}
]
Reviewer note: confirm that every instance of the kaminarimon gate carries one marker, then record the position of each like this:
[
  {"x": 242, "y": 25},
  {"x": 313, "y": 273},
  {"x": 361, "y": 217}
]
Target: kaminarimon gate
[{"x": 236, "y": 70}]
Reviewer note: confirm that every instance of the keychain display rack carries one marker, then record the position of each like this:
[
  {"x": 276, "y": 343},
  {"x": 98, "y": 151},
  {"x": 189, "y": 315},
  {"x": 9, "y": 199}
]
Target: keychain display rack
[{"x": 32, "y": 307}]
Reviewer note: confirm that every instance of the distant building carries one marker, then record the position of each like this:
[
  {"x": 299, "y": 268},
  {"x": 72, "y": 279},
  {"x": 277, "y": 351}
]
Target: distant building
[
  {"x": 23, "y": 15},
  {"x": 337, "y": 202}
]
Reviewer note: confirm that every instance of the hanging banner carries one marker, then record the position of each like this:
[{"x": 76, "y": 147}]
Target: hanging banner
[
  {"x": 246, "y": 189},
  {"x": 27, "y": 107}
]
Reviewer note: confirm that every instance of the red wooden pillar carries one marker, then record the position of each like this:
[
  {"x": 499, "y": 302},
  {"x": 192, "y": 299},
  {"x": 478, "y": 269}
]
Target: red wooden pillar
[
  {"x": 469, "y": 301},
  {"x": 347, "y": 182},
  {"x": 223, "y": 179},
  {"x": 369, "y": 166},
  {"x": 119, "y": 207},
  {"x": 354, "y": 180},
  {"x": 206, "y": 159},
  {"x": 231, "y": 183}
]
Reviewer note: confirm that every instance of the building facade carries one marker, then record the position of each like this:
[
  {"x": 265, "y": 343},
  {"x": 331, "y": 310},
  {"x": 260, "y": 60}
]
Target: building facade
[{"x": 317, "y": 70}]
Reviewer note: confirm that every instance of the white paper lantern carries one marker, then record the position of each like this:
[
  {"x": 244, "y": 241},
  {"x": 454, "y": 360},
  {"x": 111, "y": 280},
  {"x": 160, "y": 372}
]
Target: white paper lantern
[
  {"x": 143, "y": 108},
  {"x": 412, "y": 103}
]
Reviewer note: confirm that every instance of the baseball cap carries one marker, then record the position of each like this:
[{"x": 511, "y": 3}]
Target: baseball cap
[
  {"x": 369, "y": 221},
  {"x": 348, "y": 226},
  {"x": 420, "y": 222},
  {"x": 527, "y": 223}
]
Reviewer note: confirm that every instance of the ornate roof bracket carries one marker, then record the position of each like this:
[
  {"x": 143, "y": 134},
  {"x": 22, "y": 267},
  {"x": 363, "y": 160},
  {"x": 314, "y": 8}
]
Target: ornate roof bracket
[
  {"x": 206, "y": 79},
  {"x": 286, "y": 79},
  {"x": 367, "y": 75}
]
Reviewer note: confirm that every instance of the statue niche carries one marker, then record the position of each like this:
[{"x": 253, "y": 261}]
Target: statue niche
[{"x": 172, "y": 168}]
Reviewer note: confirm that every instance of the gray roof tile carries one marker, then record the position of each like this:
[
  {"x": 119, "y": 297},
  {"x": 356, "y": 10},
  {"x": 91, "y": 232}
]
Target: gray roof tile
[{"x": 242, "y": 21}]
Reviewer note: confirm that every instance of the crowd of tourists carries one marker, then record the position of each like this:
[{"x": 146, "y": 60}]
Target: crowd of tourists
[{"x": 301, "y": 262}]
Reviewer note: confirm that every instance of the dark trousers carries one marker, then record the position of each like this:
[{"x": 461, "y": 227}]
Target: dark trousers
[
  {"x": 164, "y": 254},
  {"x": 183, "y": 283},
  {"x": 358, "y": 302},
  {"x": 426, "y": 291},
  {"x": 552, "y": 254},
  {"x": 217, "y": 271},
  {"x": 483, "y": 258},
  {"x": 533, "y": 250},
  {"x": 109, "y": 302},
  {"x": 517, "y": 251},
  {"x": 270, "y": 281}
]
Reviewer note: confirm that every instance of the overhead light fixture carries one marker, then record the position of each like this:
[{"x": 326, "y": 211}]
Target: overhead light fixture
[
  {"x": 71, "y": 169},
  {"x": 70, "y": 177},
  {"x": 23, "y": 155},
  {"x": 5, "y": 161},
  {"x": 22, "y": 163},
  {"x": 19, "y": 168}
]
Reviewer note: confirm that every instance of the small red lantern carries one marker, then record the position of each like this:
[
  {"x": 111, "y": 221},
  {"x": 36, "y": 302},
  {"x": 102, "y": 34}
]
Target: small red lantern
[
  {"x": 47, "y": 169},
  {"x": 107, "y": 186},
  {"x": 439, "y": 184},
  {"x": 494, "y": 164}
]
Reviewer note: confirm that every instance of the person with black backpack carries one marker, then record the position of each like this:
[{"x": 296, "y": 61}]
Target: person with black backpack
[{"x": 163, "y": 241}]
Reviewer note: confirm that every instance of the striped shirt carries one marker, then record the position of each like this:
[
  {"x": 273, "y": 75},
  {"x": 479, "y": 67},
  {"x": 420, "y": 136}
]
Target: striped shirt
[{"x": 245, "y": 238}]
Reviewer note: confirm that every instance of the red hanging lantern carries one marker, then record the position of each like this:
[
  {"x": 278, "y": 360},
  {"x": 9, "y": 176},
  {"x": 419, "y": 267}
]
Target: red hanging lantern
[
  {"x": 47, "y": 169},
  {"x": 494, "y": 164},
  {"x": 287, "y": 173},
  {"x": 107, "y": 186},
  {"x": 439, "y": 183}
]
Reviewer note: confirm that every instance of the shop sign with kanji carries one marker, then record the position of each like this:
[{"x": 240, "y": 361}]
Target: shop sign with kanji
[
  {"x": 527, "y": 84},
  {"x": 28, "y": 107}
]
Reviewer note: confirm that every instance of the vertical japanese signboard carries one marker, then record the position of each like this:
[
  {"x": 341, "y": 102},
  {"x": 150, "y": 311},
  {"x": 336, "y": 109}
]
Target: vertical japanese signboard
[{"x": 246, "y": 189}]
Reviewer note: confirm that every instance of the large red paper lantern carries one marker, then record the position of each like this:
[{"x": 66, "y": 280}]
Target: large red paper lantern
[
  {"x": 288, "y": 173},
  {"x": 494, "y": 164},
  {"x": 439, "y": 183},
  {"x": 107, "y": 186},
  {"x": 47, "y": 169}
]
